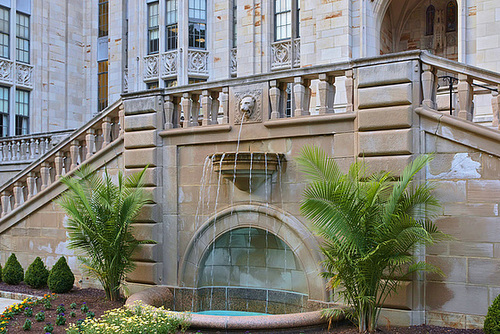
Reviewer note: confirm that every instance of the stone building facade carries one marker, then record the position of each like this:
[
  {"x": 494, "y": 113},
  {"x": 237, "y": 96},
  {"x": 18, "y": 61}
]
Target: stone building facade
[{"x": 161, "y": 84}]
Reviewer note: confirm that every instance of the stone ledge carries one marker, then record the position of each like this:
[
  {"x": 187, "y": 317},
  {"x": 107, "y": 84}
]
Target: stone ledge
[
  {"x": 283, "y": 122},
  {"x": 195, "y": 130},
  {"x": 16, "y": 295}
]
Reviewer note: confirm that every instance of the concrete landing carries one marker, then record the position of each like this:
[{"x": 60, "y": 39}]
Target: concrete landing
[{"x": 4, "y": 302}]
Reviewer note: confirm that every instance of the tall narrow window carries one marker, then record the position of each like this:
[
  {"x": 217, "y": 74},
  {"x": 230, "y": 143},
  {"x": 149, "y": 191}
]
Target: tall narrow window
[
  {"x": 4, "y": 32},
  {"x": 235, "y": 24},
  {"x": 22, "y": 38},
  {"x": 4, "y": 111},
  {"x": 197, "y": 23},
  {"x": 172, "y": 26},
  {"x": 102, "y": 85},
  {"x": 103, "y": 18},
  {"x": 451, "y": 16},
  {"x": 153, "y": 28},
  {"x": 429, "y": 20},
  {"x": 286, "y": 19},
  {"x": 22, "y": 112}
]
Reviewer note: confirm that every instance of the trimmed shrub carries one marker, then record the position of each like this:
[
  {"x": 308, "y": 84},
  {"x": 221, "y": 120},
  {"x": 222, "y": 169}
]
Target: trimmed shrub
[
  {"x": 492, "y": 320},
  {"x": 61, "y": 278},
  {"x": 0, "y": 272},
  {"x": 37, "y": 274},
  {"x": 12, "y": 273}
]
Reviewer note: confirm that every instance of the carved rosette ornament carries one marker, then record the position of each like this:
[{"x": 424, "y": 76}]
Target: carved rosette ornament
[{"x": 249, "y": 107}]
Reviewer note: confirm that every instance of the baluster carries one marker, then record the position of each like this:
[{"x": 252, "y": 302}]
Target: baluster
[
  {"x": 11, "y": 151},
  {"x": 31, "y": 149},
  {"x": 98, "y": 140},
  {"x": 23, "y": 150},
  {"x": 465, "y": 96},
  {"x": 90, "y": 143},
  {"x": 224, "y": 100},
  {"x": 302, "y": 94},
  {"x": 5, "y": 150},
  {"x": 46, "y": 145},
  {"x": 429, "y": 86},
  {"x": 349, "y": 85},
  {"x": 18, "y": 150},
  {"x": 18, "y": 194},
  {"x": 206, "y": 107},
  {"x": 168, "y": 112},
  {"x": 5, "y": 199},
  {"x": 177, "y": 112},
  {"x": 67, "y": 162},
  {"x": 58, "y": 162},
  {"x": 326, "y": 92},
  {"x": 106, "y": 131},
  {"x": 45, "y": 174},
  {"x": 274, "y": 97},
  {"x": 195, "y": 109},
  {"x": 74, "y": 150},
  {"x": 36, "y": 148},
  {"x": 31, "y": 183},
  {"x": 215, "y": 107},
  {"x": 495, "y": 108},
  {"x": 187, "y": 109},
  {"x": 2, "y": 145}
]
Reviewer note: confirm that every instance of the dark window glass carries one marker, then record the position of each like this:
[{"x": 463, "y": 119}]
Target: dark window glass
[
  {"x": 22, "y": 112},
  {"x": 102, "y": 85},
  {"x": 153, "y": 28},
  {"x": 103, "y": 18},
  {"x": 197, "y": 23},
  {"x": 22, "y": 38},
  {"x": 4, "y": 111},
  {"x": 172, "y": 26},
  {"x": 196, "y": 80},
  {"x": 451, "y": 16},
  {"x": 4, "y": 32},
  {"x": 235, "y": 24},
  {"x": 429, "y": 20},
  {"x": 152, "y": 85},
  {"x": 171, "y": 83},
  {"x": 283, "y": 19}
]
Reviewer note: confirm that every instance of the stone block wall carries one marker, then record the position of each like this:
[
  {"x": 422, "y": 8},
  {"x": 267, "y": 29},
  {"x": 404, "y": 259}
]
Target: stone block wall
[{"x": 467, "y": 184}]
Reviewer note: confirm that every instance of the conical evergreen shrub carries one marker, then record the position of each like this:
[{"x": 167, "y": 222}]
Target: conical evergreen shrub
[
  {"x": 61, "y": 278},
  {"x": 0, "y": 272},
  {"x": 492, "y": 320},
  {"x": 37, "y": 274},
  {"x": 12, "y": 273}
]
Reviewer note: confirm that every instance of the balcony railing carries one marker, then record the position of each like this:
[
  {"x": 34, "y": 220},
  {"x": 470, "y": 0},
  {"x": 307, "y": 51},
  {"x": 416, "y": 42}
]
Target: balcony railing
[
  {"x": 285, "y": 54},
  {"x": 19, "y": 74}
]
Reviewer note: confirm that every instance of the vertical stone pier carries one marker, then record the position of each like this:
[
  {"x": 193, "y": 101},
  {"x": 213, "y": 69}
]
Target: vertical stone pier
[
  {"x": 387, "y": 139},
  {"x": 143, "y": 119}
]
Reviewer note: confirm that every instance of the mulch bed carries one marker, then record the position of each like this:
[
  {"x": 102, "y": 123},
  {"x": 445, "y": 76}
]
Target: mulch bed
[{"x": 95, "y": 299}]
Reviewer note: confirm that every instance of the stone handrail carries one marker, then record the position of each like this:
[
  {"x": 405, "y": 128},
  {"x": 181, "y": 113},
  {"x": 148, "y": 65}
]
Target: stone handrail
[
  {"x": 65, "y": 157},
  {"x": 471, "y": 82},
  {"x": 27, "y": 148}
]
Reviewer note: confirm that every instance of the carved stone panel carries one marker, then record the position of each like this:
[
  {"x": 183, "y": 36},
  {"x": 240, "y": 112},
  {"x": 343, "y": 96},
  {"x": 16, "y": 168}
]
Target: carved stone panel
[{"x": 246, "y": 103}]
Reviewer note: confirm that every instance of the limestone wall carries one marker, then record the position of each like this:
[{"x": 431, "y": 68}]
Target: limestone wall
[{"x": 38, "y": 229}]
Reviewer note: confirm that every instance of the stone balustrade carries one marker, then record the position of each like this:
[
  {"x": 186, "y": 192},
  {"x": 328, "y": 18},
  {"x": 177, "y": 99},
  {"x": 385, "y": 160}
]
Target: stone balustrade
[
  {"x": 53, "y": 163},
  {"x": 472, "y": 89},
  {"x": 27, "y": 148},
  {"x": 13, "y": 73}
]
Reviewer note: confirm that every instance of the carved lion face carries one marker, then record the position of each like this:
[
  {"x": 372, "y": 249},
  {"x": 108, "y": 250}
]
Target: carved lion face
[{"x": 247, "y": 105}]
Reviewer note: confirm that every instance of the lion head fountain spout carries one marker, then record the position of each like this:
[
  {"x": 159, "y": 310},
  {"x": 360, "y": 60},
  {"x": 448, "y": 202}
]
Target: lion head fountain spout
[
  {"x": 247, "y": 106},
  {"x": 248, "y": 170}
]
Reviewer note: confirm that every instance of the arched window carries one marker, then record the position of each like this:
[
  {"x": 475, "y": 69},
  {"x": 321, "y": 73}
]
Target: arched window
[
  {"x": 451, "y": 16},
  {"x": 429, "y": 20}
]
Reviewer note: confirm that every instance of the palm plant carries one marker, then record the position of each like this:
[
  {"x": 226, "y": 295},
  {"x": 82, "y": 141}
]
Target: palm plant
[
  {"x": 371, "y": 224},
  {"x": 100, "y": 214}
]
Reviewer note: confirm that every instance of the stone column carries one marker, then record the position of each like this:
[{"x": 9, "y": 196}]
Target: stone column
[
  {"x": 465, "y": 97},
  {"x": 275, "y": 97},
  {"x": 429, "y": 86},
  {"x": 326, "y": 92}
]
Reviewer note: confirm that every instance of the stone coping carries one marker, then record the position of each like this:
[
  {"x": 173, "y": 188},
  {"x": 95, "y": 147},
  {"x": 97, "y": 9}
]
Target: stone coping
[
  {"x": 160, "y": 295},
  {"x": 16, "y": 295}
]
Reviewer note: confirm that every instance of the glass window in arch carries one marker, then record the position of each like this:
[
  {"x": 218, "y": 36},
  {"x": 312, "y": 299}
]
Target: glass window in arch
[
  {"x": 429, "y": 20},
  {"x": 451, "y": 16}
]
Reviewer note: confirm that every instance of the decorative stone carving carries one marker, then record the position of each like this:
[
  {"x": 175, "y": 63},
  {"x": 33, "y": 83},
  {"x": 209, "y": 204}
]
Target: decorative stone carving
[
  {"x": 197, "y": 62},
  {"x": 125, "y": 80},
  {"x": 24, "y": 74},
  {"x": 6, "y": 70},
  {"x": 151, "y": 67},
  {"x": 233, "y": 61},
  {"x": 249, "y": 107},
  {"x": 169, "y": 64},
  {"x": 283, "y": 55}
]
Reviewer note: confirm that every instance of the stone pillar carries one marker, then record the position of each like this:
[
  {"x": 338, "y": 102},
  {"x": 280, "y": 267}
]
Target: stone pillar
[
  {"x": 429, "y": 86},
  {"x": 302, "y": 94},
  {"x": 215, "y": 107},
  {"x": 206, "y": 108},
  {"x": 58, "y": 162},
  {"x": 495, "y": 106},
  {"x": 18, "y": 194},
  {"x": 31, "y": 183},
  {"x": 224, "y": 100},
  {"x": 143, "y": 120},
  {"x": 187, "y": 106},
  {"x": 326, "y": 92},
  {"x": 168, "y": 110}
]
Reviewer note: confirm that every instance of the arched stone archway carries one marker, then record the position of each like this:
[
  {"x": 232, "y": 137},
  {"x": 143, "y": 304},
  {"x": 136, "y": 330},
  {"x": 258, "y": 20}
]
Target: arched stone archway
[
  {"x": 274, "y": 220},
  {"x": 400, "y": 26}
]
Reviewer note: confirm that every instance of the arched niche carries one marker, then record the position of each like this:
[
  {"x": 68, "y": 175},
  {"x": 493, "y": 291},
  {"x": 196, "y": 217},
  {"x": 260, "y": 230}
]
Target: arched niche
[{"x": 272, "y": 220}]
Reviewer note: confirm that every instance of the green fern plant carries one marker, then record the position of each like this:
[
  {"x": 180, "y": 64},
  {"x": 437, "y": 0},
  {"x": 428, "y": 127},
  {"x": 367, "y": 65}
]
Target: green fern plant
[
  {"x": 370, "y": 225},
  {"x": 100, "y": 215}
]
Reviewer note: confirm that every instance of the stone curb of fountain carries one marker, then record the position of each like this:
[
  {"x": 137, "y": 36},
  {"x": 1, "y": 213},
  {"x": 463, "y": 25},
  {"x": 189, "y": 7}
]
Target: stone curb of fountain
[{"x": 161, "y": 295}]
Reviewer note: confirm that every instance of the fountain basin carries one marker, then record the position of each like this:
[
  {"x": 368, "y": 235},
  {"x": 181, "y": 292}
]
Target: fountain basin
[
  {"x": 248, "y": 170},
  {"x": 282, "y": 323}
]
